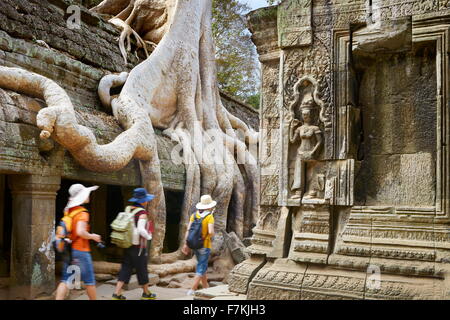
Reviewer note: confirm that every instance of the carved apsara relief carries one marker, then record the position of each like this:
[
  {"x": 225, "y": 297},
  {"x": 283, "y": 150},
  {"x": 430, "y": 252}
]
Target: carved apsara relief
[{"x": 305, "y": 136}]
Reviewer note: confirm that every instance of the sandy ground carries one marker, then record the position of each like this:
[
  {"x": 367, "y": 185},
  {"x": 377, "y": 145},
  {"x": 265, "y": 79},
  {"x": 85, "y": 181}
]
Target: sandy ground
[
  {"x": 173, "y": 287},
  {"x": 105, "y": 291}
]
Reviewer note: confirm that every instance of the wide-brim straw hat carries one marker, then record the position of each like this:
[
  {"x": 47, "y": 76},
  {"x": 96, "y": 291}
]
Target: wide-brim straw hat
[
  {"x": 79, "y": 194},
  {"x": 206, "y": 202}
]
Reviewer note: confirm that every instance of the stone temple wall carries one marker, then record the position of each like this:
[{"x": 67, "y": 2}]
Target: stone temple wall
[
  {"x": 353, "y": 151},
  {"x": 76, "y": 60},
  {"x": 243, "y": 111},
  {"x": 34, "y": 36}
]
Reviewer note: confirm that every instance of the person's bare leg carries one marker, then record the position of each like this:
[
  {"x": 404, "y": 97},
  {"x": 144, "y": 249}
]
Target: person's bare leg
[
  {"x": 196, "y": 282},
  {"x": 145, "y": 288},
  {"x": 61, "y": 291},
  {"x": 205, "y": 282},
  {"x": 91, "y": 292},
  {"x": 119, "y": 287}
]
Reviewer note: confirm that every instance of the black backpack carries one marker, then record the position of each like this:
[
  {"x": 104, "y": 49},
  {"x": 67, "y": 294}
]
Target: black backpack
[{"x": 194, "y": 240}]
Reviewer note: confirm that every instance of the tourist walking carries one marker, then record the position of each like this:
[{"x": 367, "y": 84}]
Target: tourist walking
[
  {"x": 199, "y": 239},
  {"x": 76, "y": 229},
  {"x": 136, "y": 256}
]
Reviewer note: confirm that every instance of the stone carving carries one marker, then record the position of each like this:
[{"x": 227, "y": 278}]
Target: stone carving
[
  {"x": 314, "y": 63},
  {"x": 360, "y": 188},
  {"x": 268, "y": 218},
  {"x": 305, "y": 135},
  {"x": 240, "y": 276},
  {"x": 295, "y": 23},
  {"x": 310, "y": 137},
  {"x": 403, "y": 8},
  {"x": 310, "y": 234},
  {"x": 270, "y": 149}
]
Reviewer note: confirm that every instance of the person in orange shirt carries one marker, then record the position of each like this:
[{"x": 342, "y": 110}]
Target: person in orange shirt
[{"x": 81, "y": 252}]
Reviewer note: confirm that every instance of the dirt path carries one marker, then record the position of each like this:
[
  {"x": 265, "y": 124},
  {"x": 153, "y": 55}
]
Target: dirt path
[{"x": 105, "y": 291}]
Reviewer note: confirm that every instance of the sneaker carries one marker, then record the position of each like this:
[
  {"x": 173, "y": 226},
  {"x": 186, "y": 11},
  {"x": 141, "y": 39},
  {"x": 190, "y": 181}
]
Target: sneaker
[
  {"x": 118, "y": 297},
  {"x": 190, "y": 292},
  {"x": 150, "y": 296}
]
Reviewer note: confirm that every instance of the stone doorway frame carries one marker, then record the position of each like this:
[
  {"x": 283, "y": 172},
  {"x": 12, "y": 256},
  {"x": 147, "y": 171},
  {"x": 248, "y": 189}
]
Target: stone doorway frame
[
  {"x": 428, "y": 236},
  {"x": 423, "y": 31}
]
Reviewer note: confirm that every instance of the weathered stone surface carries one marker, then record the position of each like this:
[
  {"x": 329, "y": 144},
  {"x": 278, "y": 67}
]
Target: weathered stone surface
[
  {"x": 174, "y": 284},
  {"x": 362, "y": 195},
  {"x": 235, "y": 246},
  {"x": 399, "y": 166},
  {"x": 242, "y": 274},
  {"x": 94, "y": 43},
  {"x": 21, "y": 151},
  {"x": 180, "y": 277},
  {"x": 80, "y": 79},
  {"x": 103, "y": 277},
  {"x": 285, "y": 281},
  {"x": 34, "y": 36},
  {"x": 32, "y": 258},
  {"x": 215, "y": 283},
  {"x": 236, "y": 298},
  {"x": 212, "y": 276},
  {"x": 213, "y": 292},
  {"x": 241, "y": 110}
]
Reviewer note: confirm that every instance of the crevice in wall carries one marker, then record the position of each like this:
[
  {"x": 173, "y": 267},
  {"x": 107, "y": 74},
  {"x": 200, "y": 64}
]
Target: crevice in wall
[
  {"x": 303, "y": 279},
  {"x": 334, "y": 222},
  {"x": 288, "y": 235},
  {"x": 255, "y": 272}
]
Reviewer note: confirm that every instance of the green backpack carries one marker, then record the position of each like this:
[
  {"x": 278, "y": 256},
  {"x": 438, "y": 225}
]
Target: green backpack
[{"x": 123, "y": 228}]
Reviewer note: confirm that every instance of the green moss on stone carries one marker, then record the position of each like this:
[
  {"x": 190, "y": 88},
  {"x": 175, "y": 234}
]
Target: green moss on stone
[{"x": 264, "y": 13}]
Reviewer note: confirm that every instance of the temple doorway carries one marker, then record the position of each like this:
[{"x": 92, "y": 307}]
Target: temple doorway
[
  {"x": 174, "y": 204},
  {"x": 105, "y": 203},
  {"x": 5, "y": 226}
]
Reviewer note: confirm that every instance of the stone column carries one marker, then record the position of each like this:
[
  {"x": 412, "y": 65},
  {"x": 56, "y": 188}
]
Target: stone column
[{"x": 32, "y": 256}]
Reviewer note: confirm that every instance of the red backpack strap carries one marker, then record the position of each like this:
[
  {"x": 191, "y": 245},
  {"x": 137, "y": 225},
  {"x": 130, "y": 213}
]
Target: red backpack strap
[{"x": 137, "y": 214}]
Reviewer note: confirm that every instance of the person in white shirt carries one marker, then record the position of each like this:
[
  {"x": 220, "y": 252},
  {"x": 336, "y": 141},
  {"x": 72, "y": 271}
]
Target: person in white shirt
[{"x": 136, "y": 257}]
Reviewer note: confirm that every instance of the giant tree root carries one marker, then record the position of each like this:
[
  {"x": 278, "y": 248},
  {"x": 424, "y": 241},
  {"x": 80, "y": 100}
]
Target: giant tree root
[
  {"x": 175, "y": 90},
  {"x": 162, "y": 270},
  {"x": 178, "y": 86}
]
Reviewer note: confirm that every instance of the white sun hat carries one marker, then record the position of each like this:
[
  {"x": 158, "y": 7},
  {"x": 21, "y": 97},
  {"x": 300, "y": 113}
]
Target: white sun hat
[
  {"x": 206, "y": 202},
  {"x": 78, "y": 195}
]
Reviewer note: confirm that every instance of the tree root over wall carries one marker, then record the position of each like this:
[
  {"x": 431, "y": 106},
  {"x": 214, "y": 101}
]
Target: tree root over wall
[{"x": 174, "y": 89}]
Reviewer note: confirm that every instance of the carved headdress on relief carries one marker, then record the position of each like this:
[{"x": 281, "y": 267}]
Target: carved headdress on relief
[{"x": 306, "y": 97}]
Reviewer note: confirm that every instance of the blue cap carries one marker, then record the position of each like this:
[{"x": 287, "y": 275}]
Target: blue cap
[{"x": 140, "y": 195}]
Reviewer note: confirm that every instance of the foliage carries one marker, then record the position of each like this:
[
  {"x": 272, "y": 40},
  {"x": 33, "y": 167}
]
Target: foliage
[
  {"x": 236, "y": 58},
  {"x": 254, "y": 100}
]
